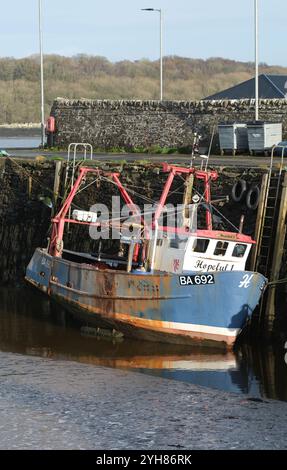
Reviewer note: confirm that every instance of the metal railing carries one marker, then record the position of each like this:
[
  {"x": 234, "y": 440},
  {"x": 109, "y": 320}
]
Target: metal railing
[{"x": 73, "y": 149}]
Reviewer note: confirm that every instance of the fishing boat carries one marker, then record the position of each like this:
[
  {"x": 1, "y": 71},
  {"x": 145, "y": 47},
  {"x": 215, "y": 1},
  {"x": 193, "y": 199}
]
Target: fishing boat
[{"x": 183, "y": 284}]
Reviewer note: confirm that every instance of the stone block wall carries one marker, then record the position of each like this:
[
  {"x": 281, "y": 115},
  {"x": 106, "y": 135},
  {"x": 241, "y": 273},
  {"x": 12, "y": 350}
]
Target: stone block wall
[
  {"x": 134, "y": 124},
  {"x": 25, "y": 220}
]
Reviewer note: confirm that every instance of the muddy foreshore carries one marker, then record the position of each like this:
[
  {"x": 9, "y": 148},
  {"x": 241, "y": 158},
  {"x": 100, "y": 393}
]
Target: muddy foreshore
[{"x": 46, "y": 404}]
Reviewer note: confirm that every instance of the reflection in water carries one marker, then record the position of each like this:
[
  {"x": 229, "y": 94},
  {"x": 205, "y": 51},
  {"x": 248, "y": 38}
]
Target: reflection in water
[{"x": 31, "y": 324}]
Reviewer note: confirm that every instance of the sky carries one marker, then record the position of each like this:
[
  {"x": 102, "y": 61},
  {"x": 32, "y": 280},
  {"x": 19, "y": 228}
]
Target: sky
[{"x": 118, "y": 29}]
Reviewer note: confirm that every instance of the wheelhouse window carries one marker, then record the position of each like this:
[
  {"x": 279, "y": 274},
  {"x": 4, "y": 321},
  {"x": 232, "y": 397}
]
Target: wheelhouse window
[
  {"x": 239, "y": 250},
  {"x": 200, "y": 245},
  {"x": 221, "y": 248}
]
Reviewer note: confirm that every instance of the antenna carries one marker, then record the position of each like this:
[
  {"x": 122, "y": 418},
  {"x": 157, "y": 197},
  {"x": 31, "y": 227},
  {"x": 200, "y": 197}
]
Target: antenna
[{"x": 209, "y": 150}]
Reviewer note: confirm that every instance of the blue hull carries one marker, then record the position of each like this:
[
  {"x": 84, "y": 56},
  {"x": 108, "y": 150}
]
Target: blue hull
[{"x": 209, "y": 309}]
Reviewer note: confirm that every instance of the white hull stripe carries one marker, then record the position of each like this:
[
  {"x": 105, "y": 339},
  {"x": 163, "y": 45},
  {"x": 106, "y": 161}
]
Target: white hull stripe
[{"x": 213, "y": 330}]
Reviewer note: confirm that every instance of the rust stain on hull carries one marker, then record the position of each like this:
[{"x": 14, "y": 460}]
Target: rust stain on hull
[
  {"x": 151, "y": 306},
  {"x": 146, "y": 330}
]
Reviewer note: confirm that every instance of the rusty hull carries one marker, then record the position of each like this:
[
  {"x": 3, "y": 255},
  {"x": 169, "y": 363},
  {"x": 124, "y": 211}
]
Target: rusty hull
[{"x": 151, "y": 306}]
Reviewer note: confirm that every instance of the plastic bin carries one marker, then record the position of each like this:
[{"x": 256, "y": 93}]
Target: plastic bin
[
  {"x": 263, "y": 135},
  {"x": 233, "y": 138}
]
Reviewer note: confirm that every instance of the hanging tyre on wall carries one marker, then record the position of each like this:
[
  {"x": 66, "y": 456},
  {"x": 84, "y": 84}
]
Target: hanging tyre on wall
[
  {"x": 239, "y": 190},
  {"x": 241, "y": 193},
  {"x": 252, "y": 197}
]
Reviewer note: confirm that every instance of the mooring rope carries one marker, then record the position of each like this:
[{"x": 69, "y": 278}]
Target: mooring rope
[{"x": 274, "y": 283}]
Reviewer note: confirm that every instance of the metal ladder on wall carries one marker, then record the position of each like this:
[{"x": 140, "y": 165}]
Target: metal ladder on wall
[{"x": 269, "y": 207}]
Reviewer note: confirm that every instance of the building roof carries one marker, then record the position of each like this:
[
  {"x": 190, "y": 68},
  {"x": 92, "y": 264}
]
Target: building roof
[{"x": 270, "y": 86}]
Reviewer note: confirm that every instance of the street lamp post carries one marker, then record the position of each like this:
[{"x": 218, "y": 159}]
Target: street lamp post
[
  {"x": 160, "y": 46},
  {"x": 42, "y": 75},
  {"x": 256, "y": 61}
]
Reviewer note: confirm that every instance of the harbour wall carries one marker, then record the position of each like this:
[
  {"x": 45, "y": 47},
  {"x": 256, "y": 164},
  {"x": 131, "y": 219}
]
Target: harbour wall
[
  {"x": 25, "y": 219},
  {"x": 139, "y": 125}
]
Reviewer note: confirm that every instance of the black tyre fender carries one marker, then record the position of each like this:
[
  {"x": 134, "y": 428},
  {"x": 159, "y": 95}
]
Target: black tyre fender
[
  {"x": 252, "y": 197},
  {"x": 239, "y": 190}
]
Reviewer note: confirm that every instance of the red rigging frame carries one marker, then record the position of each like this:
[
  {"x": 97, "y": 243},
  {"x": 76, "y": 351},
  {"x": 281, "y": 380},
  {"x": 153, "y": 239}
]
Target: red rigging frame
[{"x": 61, "y": 219}]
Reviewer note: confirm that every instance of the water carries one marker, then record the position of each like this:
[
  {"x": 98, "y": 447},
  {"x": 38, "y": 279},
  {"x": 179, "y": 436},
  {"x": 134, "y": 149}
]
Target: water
[
  {"x": 12, "y": 142},
  {"x": 32, "y": 325}
]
